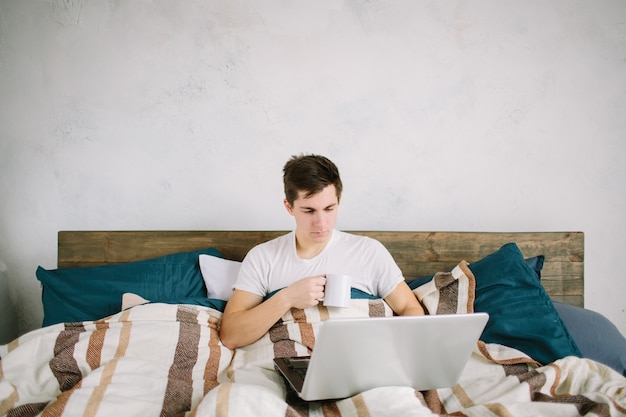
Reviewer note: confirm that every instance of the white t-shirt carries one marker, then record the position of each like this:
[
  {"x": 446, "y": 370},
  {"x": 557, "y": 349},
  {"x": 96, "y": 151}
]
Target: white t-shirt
[{"x": 275, "y": 264}]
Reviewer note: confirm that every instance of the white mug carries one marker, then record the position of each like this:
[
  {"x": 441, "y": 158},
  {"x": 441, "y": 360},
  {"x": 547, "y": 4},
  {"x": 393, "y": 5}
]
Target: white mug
[{"x": 337, "y": 290}]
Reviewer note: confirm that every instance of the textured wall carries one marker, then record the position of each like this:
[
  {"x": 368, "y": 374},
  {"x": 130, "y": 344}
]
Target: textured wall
[
  {"x": 486, "y": 116},
  {"x": 8, "y": 319}
]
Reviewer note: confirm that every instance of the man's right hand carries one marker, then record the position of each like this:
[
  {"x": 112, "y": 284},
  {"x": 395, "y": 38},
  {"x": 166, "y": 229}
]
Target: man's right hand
[
  {"x": 247, "y": 317},
  {"x": 306, "y": 292}
]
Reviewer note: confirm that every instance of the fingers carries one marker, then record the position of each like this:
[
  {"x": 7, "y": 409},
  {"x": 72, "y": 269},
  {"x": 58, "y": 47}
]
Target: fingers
[
  {"x": 317, "y": 288},
  {"x": 307, "y": 292}
]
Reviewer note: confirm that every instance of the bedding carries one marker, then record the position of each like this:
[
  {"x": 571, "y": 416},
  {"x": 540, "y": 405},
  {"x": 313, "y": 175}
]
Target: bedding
[
  {"x": 596, "y": 337},
  {"x": 77, "y": 294},
  {"x": 521, "y": 313},
  {"x": 166, "y": 359},
  {"x": 163, "y": 356}
]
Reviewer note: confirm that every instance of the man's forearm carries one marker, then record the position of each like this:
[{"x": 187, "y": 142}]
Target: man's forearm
[{"x": 240, "y": 328}]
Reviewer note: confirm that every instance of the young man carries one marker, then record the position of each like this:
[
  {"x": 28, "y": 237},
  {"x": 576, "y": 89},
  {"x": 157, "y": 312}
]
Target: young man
[{"x": 295, "y": 264}]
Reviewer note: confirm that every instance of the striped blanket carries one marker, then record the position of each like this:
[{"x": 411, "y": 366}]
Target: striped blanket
[{"x": 167, "y": 360}]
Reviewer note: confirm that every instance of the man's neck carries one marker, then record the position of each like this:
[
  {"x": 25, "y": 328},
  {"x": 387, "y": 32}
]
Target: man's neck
[{"x": 306, "y": 249}]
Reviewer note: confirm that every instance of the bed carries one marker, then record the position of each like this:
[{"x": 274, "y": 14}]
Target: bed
[{"x": 131, "y": 322}]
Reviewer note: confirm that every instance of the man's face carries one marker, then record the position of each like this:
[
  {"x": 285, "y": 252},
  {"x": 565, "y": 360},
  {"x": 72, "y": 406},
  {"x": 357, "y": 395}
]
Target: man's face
[{"x": 315, "y": 216}]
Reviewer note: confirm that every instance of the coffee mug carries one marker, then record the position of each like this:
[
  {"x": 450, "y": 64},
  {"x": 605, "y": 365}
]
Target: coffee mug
[{"x": 337, "y": 290}]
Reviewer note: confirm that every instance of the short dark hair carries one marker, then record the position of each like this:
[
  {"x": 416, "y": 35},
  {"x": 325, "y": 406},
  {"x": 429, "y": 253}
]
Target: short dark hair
[{"x": 311, "y": 174}]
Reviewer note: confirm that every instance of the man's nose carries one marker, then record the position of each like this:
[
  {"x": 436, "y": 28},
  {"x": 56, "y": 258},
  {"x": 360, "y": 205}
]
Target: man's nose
[{"x": 319, "y": 218}]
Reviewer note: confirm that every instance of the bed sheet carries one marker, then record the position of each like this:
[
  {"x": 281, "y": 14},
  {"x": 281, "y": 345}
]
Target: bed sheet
[{"x": 167, "y": 360}]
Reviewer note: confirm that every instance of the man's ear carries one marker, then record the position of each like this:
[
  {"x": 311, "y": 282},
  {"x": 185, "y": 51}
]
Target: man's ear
[{"x": 288, "y": 206}]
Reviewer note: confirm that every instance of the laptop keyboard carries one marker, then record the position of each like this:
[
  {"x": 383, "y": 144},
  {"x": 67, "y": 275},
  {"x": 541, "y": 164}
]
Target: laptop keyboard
[
  {"x": 298, "y": 365},
  {"x": 293, "y": 370}
]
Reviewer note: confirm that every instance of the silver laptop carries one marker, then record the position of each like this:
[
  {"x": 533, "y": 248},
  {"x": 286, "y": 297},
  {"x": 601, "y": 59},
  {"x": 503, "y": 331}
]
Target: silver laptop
[{"x": 354, "y": 355}]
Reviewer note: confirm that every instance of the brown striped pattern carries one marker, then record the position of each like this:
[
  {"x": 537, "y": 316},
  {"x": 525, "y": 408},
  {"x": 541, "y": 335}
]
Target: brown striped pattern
[
  {"x": 433, "y": 402},
  {"x": 95, "y": 350},
  {"x": 293, "y": 411},
  {"x": 509, "y": 356},
  {"x": 570, "y": 387},
  {"x": 177, "y": 398},
  {"x": 211, "y": 368},
  {"x": 376, "y": 309},
  {"x": 360, "y": 406},
  {"x": 27, "y": 410},
  {"x": 63, "y": 365},
  {"x": 525, "y": 374},
  {"x": 222, "y": 400},
  {"x": 461, "y": 396},
  {"x": 584, "y": 405},
  {"x": 96, "y": 342},
  {"x": 445, "y": 294},
  {"x": 282, "y": 344},
  {"x": 13, "y": 344},
  {"x": 330, "y": 409},
  {"x": 307, "y": 337},
  {"x": 498, "y": 410},
  {"x": 448, "y": 293}
]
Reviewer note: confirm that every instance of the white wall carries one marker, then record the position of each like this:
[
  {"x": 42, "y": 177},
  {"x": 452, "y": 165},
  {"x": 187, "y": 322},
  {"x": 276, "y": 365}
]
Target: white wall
[
  {"x": 487, "y": 115},
  {"x": 8, "y": 319}
]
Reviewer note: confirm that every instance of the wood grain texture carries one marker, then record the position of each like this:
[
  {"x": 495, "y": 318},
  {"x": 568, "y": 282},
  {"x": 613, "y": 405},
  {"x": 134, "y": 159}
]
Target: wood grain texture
[{"x": 417, "y": 253}]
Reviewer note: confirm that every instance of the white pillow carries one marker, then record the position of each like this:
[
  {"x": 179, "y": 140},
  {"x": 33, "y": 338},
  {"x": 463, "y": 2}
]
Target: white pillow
[{"x": 219, "y": 276}]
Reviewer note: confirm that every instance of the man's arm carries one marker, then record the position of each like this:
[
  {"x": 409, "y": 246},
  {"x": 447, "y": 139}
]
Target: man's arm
[
  {"x": 403, "y": 302},
  {"x": 247, "y": 317}
]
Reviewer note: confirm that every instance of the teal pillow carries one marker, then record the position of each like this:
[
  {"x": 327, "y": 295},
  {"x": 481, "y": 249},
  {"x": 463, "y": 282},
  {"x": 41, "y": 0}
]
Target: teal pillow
[
  {"x": 536, "y": 264},
  {"x": 79, "y": 294},
  {"x": 213, "y": 303},
  {"x": 521, "y": 314}
]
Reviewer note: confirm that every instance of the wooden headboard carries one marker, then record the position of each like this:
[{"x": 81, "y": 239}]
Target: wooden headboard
[{"x": 417, "y": 253}]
